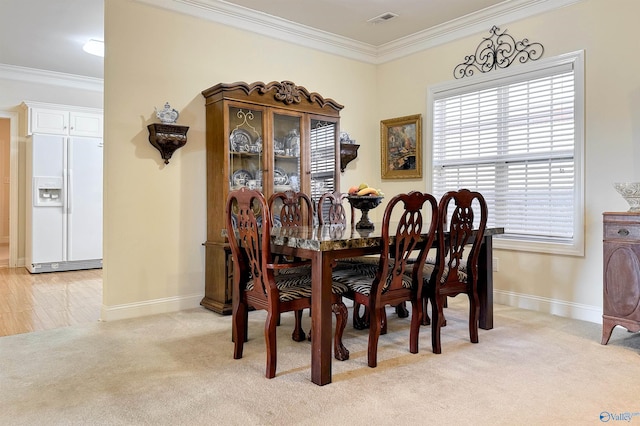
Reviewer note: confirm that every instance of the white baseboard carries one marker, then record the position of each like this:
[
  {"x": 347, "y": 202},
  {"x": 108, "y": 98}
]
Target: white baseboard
[
  {"x": 549, "y": 306},
  {"x": 524, "y": 301},
  {"x": 149, "y": 307}
]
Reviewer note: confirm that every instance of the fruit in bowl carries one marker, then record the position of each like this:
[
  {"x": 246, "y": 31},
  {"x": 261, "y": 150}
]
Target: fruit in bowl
[
  {"x": 364, "y": 198},
  {"x": 364, "y": 189}
]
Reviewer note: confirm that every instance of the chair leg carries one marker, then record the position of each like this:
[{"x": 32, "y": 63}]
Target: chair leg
[
  {"x": 474, "y": 317},
  {"x": 298, "y": 333},
  {"x": 416, "y": 319},
  {"x": 360, "y": 322},
  {"x": 270, "y": 340},
  {"x": 340, "y": 310},
  {"x": 437, "y": 318},
  {"x": 239, "y": 329},
  {"x": 425, "y": 316},
  {"x": 375, "y": 316},
  {"x": 383, "y": 322},
  {"x": 401, "y": 310}
]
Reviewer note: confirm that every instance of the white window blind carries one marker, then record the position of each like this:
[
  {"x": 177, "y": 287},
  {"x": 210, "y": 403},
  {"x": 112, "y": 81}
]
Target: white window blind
[
  {"x": 323, "y": 157},
  {"x": 514, "y": 140}
]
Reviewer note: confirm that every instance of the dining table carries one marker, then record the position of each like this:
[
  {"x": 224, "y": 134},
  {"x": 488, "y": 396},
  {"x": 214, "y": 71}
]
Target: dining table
[{"x": 324, "y": 245}]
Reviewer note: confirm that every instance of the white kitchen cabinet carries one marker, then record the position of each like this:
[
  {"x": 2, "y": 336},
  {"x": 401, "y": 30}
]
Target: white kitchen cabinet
[{"x": 54, "y": 119}]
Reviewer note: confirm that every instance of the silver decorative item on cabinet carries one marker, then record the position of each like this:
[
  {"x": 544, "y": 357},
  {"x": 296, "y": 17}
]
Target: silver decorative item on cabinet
[
  {"x": 167, "y": 115},
  {"x": 167, "y": 136}
]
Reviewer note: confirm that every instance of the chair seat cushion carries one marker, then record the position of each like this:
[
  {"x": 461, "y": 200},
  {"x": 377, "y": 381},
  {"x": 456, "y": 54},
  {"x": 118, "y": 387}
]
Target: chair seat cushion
[
  {"x": 297, "y": 286},
  {"x": 358, "y": 275},
  {"x": 364, "y": 265},
  {"x": 296, "y": 270},
  {"x": 428, "y": 268}
]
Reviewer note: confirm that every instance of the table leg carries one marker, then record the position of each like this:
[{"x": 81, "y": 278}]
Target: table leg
[
  {"x": 321, "y": 319},
  {"x": 485, "y": 283}
]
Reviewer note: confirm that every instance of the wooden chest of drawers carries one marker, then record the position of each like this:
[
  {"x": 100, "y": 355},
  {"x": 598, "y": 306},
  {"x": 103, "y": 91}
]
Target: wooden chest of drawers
[{"x": 621, "y": 296}]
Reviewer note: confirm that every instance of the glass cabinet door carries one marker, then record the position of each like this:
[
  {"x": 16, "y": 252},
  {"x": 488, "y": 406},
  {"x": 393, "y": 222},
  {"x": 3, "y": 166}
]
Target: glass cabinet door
[
  {"x": 276, "y": 150},
  {"x": 287, "y": 156},
  {"x": 245, "y": 148}
]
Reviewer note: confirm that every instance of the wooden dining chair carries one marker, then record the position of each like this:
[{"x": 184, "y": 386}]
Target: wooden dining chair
[
  {"x": 331, "y": 210},
  {"x": 391, "y": 285},
  {"x": 463, "y": 215},
  {"x": 291, "y": 208},
  {"x": 257, "y": 285}
]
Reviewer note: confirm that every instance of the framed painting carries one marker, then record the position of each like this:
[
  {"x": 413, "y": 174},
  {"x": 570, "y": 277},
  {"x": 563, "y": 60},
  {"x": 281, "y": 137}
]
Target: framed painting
[{"x": 401, "y": 147}]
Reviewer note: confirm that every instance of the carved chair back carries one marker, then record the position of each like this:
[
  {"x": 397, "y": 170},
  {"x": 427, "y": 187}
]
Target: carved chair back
[
  {"x": 291, "y": 208},
  {"x": 331, "y": 210}
]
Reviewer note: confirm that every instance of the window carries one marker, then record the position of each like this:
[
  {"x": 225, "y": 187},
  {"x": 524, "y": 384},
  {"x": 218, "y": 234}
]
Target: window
[
  {"x": 516, "y": 136},
  {"x": 323, "y": 157}
]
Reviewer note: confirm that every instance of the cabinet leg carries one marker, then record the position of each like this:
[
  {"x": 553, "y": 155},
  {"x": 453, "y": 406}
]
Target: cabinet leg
[{"x": 607, "y": 328}]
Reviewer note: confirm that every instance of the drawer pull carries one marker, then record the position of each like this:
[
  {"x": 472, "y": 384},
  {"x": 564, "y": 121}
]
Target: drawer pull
[{"x": 623, "y": 232}]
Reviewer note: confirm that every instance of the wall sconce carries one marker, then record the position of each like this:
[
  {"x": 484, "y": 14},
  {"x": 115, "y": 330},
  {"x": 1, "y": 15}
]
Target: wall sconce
[
  {"x": 348, "y": 150},
  {"x": 167, "y": 136}
]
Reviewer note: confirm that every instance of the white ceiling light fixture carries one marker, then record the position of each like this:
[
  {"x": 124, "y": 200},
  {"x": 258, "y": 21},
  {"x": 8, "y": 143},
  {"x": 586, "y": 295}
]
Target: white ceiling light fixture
[{"x": 94, "y": 47}]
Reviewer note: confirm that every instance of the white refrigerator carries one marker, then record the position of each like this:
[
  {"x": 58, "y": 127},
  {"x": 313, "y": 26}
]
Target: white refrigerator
[{"x": 64, "y": 203}]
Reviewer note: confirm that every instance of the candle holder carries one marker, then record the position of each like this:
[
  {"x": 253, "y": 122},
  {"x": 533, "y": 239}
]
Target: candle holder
[{"x": 365, "y": 203}]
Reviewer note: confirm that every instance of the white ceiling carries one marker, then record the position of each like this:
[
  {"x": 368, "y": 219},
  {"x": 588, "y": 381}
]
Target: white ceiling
[
  {"x": 349, "y": 18},
  {"x": 49, "y": 34}
]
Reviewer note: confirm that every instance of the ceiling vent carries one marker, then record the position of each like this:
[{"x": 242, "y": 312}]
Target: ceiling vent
[{"x": 387, "y": 16}]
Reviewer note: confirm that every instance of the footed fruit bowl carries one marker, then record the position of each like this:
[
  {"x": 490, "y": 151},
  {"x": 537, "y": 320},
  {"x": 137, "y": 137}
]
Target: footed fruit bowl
[
  {"x": 364, "y": 203},
  {"x": 630, "y": 191}
]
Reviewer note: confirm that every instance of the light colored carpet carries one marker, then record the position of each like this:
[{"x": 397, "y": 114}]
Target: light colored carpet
[{"x": 177, "y": 369}]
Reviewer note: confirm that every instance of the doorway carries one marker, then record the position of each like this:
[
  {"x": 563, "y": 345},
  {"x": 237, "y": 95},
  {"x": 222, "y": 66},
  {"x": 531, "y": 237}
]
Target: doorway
[
  {"x": 8, "y": 188},
  {"x": 5, "y": 141}
]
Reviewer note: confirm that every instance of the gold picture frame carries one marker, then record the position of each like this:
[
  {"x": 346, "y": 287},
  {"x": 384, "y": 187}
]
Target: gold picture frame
[{"x": 401, "y": 147}]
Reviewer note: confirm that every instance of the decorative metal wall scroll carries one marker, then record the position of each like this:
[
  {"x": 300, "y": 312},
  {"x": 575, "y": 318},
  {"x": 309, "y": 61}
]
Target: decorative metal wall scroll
[{"x": 498, "y": 51}]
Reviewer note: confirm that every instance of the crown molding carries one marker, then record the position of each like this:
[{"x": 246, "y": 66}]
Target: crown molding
[
  {"x": 246, "y": 19},
  {"x": 225, "y": 13},
  {"x": 477, "y": 22},
  {"x": 53, "y": 78}
]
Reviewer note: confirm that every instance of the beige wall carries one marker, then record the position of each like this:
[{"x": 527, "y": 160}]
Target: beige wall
[
  {"x": 155, "y": 213},
  {"x": 566, "y": 285}
]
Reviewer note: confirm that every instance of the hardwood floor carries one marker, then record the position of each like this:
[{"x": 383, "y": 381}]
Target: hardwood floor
[{"x": 32, "y": 302}]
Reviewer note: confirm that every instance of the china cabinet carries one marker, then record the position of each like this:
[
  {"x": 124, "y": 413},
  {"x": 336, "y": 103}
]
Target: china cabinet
[
  {"x": 621, "y": 295},
  {"x": 272, "y": 137}
]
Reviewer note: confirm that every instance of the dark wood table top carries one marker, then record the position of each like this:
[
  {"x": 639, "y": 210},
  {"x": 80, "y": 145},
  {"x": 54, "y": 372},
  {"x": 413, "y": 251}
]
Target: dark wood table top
[{"x": 335, "y": 237}]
